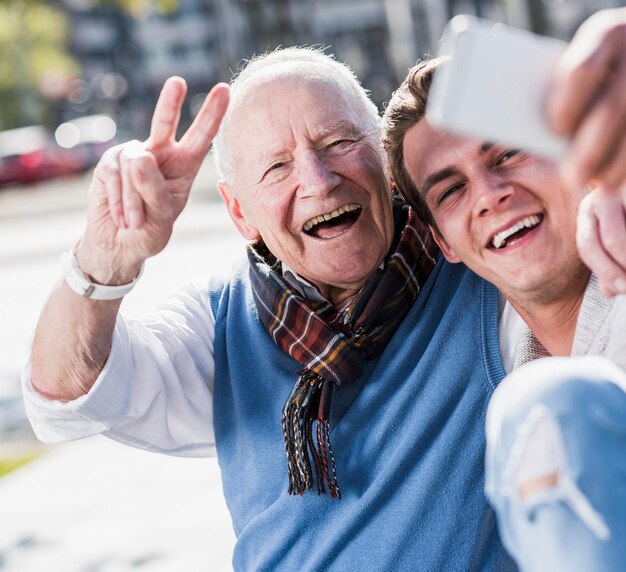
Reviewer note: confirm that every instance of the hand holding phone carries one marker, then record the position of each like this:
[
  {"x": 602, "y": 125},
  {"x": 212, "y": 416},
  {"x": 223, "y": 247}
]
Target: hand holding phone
[{"x": 494, "y": 85}]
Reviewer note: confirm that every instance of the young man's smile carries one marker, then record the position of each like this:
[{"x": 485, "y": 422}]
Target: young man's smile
[{"x": 513, "y": 232}]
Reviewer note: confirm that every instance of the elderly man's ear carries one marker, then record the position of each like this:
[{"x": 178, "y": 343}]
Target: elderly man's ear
[
  {"x": 448, "y": 252},
  {"x": 248, "y": 231}
]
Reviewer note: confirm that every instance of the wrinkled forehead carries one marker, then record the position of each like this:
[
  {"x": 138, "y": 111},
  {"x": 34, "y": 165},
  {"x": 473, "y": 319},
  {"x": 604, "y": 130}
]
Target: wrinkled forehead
[
  {"x": 308, "y": 91},
  {"x": 290, "y": 74}
]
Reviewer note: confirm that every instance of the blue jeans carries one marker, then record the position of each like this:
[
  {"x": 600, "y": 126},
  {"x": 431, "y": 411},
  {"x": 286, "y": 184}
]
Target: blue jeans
[{"x": 556, "y": 464}]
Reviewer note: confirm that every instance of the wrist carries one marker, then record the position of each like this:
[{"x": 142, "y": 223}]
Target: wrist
[
  {"x": 85, "y": 285},
  {"x": 105, "y": 270}
]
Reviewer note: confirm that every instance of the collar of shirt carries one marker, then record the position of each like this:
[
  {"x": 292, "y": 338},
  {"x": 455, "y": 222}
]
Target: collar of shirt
[
  {"x": 307, "y": 290},
  {"x": 511, "y": 329},
  {"x": 301, "y": 285}
]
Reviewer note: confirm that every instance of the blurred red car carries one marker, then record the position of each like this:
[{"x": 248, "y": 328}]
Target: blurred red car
[{"x": 31, "y": 154}]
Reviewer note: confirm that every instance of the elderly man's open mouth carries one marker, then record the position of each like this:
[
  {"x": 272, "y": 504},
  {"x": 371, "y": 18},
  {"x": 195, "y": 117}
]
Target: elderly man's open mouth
[{"x": 333, "y": 223}]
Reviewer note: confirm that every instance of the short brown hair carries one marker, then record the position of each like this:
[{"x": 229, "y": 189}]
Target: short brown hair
[{"x": 406, "y": 108}]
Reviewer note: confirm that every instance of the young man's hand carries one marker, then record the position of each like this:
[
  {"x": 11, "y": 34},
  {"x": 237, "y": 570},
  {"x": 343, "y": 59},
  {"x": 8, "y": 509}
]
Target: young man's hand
[
  {"x": 588, "y": 104},
  {"x": 601, "y": 237}
]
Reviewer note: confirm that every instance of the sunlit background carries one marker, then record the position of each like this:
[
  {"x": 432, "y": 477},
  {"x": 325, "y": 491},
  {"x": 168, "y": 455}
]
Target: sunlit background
[{"x": 76, "y": 77}]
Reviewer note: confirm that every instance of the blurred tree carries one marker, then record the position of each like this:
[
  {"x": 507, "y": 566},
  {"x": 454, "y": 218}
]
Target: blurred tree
[
  {"x": 35, "y": 65},
  {"x": 138, "y": 6},
  {"x": 34, "y": 61}
]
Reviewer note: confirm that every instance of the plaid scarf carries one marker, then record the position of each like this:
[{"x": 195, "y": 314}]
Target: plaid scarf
[{"x": 332, "y": 345}]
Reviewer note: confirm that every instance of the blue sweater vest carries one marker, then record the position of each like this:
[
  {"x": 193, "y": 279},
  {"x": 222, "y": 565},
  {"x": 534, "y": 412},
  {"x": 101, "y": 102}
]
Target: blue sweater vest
[{"x": 408, "y": 439}]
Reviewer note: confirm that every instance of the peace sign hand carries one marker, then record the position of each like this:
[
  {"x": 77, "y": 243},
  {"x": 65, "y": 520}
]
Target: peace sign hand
[{"x": 139, "y": 189}]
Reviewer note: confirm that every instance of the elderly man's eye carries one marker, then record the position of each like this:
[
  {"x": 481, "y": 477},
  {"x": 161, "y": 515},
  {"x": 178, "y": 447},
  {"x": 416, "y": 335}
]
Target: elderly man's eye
[
  {"x": 339, "y": 143},
  {"x": 275, "y": 172},
  {"x": 274, "y": 169}
]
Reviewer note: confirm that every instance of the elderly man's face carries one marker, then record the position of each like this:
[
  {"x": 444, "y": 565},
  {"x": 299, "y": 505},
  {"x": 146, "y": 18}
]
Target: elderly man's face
[
  {"x": 501, "y": 211},
  {"x": 309, "y": 180}
]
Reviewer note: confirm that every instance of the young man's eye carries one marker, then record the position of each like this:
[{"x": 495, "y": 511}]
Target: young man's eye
[
  {"x": 449, "y": 192},
  {"x": 508, "y": 154}
]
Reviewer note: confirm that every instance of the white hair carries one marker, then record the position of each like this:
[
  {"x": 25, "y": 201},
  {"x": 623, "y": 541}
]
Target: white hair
[{"x": 305, "y": 56}]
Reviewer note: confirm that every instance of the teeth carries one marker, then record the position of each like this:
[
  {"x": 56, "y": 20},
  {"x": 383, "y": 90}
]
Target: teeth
[
  {"x": 308, "y": 225},
  {"x": 499, "y": 240}
]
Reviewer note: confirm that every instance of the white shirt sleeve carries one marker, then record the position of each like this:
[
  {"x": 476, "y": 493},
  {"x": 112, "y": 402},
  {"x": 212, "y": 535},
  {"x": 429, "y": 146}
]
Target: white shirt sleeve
[{"x": 155, "y": 391}]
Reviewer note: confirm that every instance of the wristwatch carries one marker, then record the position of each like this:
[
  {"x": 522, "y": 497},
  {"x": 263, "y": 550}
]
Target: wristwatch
[{"x": 80, "y": 283}]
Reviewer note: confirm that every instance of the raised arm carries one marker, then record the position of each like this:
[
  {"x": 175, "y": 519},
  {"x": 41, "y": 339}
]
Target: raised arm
[
  {"x": 137, "y": 192},
  {"x": 588, "y": 103}
]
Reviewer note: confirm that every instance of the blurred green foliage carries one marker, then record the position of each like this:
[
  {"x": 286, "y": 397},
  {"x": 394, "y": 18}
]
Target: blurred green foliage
[
  {"x": 33, "y": 47},
  {"x": 8, "y": 465},
  {"x": 138, "y": 6},
  {"x": 35, "y": 65}
]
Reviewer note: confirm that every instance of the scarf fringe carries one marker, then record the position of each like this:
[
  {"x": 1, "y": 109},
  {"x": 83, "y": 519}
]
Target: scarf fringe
[{"x": 307, "y": 405}]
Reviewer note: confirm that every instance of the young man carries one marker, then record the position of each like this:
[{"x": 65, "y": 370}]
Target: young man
[{"x": 510, "y": 217}]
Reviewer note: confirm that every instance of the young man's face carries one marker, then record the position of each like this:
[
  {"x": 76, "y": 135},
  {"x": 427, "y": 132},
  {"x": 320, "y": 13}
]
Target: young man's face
[{"x": 501, "y": 211}]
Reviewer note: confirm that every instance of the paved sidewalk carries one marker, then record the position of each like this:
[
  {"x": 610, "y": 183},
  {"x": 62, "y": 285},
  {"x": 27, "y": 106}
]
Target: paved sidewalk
[{"x": 97, "y": 506}]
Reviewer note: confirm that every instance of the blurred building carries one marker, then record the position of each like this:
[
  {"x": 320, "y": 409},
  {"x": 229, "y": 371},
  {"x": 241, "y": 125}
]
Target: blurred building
[
  {"x": 101, "y": 42},
  {"x": 125, "y": 58}
]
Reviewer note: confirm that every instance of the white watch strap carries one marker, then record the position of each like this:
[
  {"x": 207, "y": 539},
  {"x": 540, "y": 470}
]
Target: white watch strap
[{"x": 78, "y": 281}]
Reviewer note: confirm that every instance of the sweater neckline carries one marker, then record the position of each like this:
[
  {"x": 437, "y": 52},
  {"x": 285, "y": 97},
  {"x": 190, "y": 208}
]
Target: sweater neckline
[{"x": 490, "y": 345}]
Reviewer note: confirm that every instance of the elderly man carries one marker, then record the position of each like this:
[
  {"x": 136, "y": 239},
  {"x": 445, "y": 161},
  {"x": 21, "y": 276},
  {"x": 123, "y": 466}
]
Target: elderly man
[
  {"x": 557, "y": 428},
  {"x": 318, "y": 345}
]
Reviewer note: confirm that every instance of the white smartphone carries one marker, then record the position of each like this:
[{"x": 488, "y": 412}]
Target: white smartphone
[{"x": 493, "y": 86}]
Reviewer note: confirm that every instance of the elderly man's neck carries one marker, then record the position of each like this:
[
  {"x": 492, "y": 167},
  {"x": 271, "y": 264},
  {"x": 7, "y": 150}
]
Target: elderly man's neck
[
  {"x": 338, "y": 295},
  {"x": 552, "y": 314}
]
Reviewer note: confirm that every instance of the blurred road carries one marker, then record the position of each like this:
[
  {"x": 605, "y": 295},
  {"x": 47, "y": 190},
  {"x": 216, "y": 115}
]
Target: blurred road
[{"x": 95, "y": 505}]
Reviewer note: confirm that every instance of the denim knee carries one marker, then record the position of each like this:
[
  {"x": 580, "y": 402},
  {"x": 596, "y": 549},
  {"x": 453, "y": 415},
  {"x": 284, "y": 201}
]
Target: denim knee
[
  {"x": 562, "y": 382},
  {"x": 556, "y": 437}
]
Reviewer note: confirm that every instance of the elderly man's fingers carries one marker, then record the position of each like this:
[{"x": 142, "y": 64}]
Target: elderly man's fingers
[
  {"x": 151, "y": 185},
  {"x": 107, "y": 180},
  {"x": 113, "y": 186},
  {"x": 167, "y": 113},
  {"x": 593, "y": 251},
  {"x": 584, "y": 69},
  {"x": 131, "y": 199},
  {"x": 200, "y": 135}
]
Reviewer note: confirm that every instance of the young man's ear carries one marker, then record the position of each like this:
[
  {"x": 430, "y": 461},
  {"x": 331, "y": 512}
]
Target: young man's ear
[
  {"x": 248, "y": 231},
  {"x": 448, "y": 253}
]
